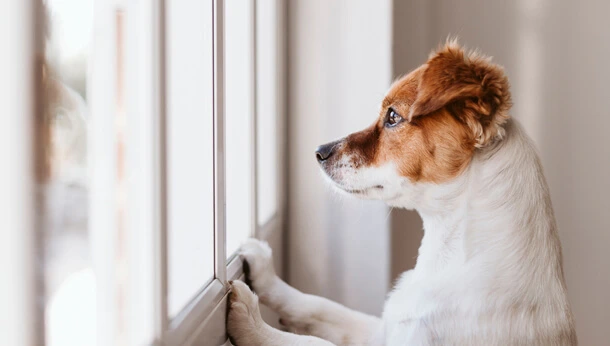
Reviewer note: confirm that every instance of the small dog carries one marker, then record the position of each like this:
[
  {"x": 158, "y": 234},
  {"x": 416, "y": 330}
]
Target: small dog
[{"x": 489, "y": 270}]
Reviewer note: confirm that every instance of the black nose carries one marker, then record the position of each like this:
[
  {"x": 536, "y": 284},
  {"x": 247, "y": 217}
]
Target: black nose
[{"x": 325, "y": 151}]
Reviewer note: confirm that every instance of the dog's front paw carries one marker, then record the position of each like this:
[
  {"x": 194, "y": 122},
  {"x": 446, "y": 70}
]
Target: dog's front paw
[
  {"x": 260, "y": 264},
  {"x": 244, "y": 320}
]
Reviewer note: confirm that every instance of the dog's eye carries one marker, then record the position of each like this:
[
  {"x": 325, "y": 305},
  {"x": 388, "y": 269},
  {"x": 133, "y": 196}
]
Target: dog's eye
[{"x": 392, "y": 118}]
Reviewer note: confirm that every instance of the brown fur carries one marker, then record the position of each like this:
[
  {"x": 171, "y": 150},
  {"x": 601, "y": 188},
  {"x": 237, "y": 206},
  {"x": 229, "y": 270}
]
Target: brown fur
[
  {"x": 476, "y": 90},
  {"x": 452, "y": 105}
]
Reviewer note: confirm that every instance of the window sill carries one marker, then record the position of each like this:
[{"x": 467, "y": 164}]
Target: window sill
[{"x": 210, "y": 306}]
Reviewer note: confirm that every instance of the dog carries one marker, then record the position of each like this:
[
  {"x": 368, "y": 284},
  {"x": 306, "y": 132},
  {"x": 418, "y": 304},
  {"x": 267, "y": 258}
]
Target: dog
[{"x": 489, "y": 269}]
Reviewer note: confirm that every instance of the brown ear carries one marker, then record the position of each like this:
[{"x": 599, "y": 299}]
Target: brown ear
[{"x": 473, "y": 88}]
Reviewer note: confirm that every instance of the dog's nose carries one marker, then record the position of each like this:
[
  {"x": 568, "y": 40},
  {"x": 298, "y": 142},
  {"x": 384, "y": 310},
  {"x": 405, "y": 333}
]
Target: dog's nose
[{"x": 325, "y": 151}]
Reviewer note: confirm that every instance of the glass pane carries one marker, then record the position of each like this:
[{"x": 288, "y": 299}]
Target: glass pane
[
  {"x": 267, "y": 108},
  {"x": 239, "y": 103},
  {"x": 189, "y": 150},
  {"x": 70, "y": 285}
]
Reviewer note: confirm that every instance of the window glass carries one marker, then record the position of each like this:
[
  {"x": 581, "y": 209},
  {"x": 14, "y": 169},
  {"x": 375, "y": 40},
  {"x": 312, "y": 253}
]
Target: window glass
[
  {"x": 190, "y": 150},
  {"x": 267, "y": 108},
  {"x": 239, "y": 108},
  {"x": 70, "y": 285}
]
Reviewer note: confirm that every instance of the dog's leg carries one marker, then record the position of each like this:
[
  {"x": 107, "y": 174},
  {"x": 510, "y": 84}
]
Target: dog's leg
[
  {"x": 246, "y": 327},
  {"x": 305, "y": 313}
]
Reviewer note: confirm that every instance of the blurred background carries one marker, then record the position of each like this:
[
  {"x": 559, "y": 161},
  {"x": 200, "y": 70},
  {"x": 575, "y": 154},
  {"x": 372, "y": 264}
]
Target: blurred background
[
  {"x": 342, "y": 57},
  {"x": 165, "y": 133}
]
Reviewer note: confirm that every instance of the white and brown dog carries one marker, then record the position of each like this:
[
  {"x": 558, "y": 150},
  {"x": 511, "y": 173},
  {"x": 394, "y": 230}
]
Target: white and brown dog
[{"x": 489, "y": 270}]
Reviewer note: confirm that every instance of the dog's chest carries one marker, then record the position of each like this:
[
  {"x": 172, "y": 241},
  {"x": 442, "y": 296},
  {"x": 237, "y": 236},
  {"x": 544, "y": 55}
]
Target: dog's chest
[
  {"x": 423, "y": 320},
  {"x": 407, "y": 314},
  {"x": 424, "y": 312}
]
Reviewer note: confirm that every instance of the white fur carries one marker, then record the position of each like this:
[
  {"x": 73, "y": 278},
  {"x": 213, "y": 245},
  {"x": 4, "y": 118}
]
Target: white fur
[{"x": 489, "y": 267}]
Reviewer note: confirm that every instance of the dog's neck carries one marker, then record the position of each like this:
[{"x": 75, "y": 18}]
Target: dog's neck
[{"x": 491, "y": 212}]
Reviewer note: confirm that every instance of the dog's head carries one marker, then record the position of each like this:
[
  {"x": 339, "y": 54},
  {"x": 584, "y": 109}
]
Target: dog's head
[{"x": 430, "y": 124}]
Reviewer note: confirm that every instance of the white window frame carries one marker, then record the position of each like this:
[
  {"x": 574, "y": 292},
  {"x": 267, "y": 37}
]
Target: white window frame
[
  {"x": 19, "y": 315},
  {"x": 203, "y": 319},
  {"x": 143, "y": 58}
]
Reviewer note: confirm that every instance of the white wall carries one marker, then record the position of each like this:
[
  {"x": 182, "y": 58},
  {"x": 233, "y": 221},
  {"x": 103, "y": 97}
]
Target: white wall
[
  {"x": 342, "y": 56},
  {"x": 556, "y": 54},
  {"x": 339, "y": 69}
]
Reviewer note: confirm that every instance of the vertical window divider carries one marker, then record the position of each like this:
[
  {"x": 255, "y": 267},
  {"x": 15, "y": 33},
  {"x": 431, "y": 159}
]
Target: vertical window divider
[
  {"x": 161, "y": 321},
  {"x": 220, "y": 269},
  {"x": 281, "y": 96},
  {"x": 102, "y": 146},
  {"x": 18, "y": 96},
  {"x": 142, "y": 165},
  {"x": 254, "y": 124}
]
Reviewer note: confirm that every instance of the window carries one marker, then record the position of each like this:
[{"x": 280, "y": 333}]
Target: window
[
  {"x": 268, "y": 80},
  {"x": 240, "y": 116},
  {"x": 189, "y": 150},
  {"x": 154, "y": 146},
  {"x": 70, "y": 284}
]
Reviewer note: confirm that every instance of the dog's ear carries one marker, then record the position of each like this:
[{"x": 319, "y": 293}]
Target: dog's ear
[{"x": 470, "y": 86}]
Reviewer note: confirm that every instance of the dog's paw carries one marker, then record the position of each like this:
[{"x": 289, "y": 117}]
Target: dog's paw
[
  {"x": 244, "y": 318},
  {"x": 260, "y": 264}
]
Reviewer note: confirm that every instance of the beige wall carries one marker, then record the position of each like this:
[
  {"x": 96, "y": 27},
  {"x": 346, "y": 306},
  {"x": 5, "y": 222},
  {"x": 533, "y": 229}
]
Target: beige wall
[
  {"x": 339, "y": 69},
  {"x": 557, "y": 56}
]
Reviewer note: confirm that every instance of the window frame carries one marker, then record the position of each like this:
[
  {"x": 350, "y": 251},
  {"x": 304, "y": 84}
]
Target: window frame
[
  {"x": 141, "y": 60},
  {"x": 204, "y": 317},
  {"x": 20, "y": 95}
]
